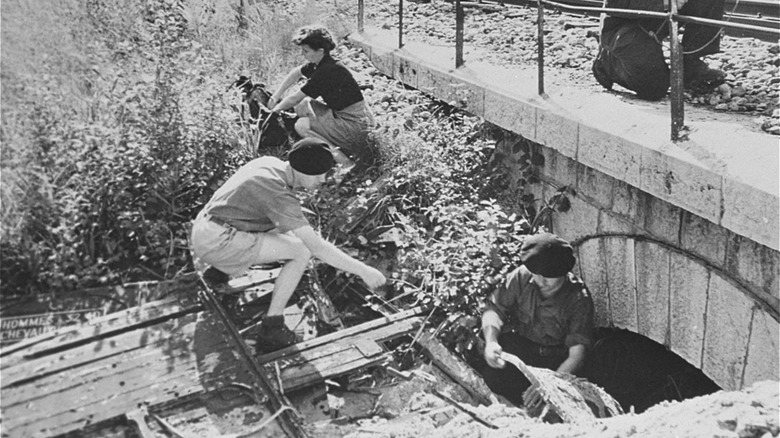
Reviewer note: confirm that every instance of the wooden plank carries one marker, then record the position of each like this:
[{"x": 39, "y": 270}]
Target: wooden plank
[
  {"x": 106, "y": 326},
  {"x": 30, "y": 316},
  {"x": 294, "y": 374},
  {"x": 170, "y": 352},
  {"x": 179, "y": 387},
  {"x": 159, "y": 335},
  {"x": 117, "y": 384},
  {"x": 377, "y": 335},
  {"x": 349, "y": 361},
  {"x": 142, "y": 366},
  {"x": 367, "y": 326},
  {"x": 455, "y": 368},
  {"x": 337, "y": 358}
]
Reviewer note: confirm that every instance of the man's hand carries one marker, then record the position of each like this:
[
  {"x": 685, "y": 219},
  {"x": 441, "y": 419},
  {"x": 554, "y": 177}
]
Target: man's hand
[
  {"x": 272, "y": 102},
  {"x": 493, "y": 355},
  {"x": 373, "y": 278},
  {"x": 532, "y": 399}
]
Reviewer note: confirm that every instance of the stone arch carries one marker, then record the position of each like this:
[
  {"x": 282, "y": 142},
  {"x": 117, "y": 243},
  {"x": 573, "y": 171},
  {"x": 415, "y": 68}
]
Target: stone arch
[{"x": 681, "y": 301}]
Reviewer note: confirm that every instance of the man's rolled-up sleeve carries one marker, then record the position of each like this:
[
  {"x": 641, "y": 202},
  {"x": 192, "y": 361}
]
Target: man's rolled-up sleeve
[{"x": 503, "y": 298}]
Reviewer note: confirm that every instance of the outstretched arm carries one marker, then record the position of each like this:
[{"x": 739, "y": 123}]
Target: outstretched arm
[
  {"x": 491, "y": 327},
  {"x": 330, "y": 254},
  {"x": 288, "y": 102},
  {"x": 291, "y": 78}
]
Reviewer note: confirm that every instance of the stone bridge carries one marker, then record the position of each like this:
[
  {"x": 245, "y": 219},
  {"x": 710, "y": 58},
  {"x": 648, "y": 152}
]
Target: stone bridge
[{"x": 677, "y": 241}]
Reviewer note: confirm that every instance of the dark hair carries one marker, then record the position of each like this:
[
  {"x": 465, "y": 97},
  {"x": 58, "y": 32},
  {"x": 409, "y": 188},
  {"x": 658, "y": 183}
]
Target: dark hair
[
  {"x": 316, "y": 37},
  {"x": 311, "y": 156}
]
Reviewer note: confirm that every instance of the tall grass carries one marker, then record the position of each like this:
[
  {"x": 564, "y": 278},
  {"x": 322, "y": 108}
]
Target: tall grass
[{"x": 117, "y": 126}]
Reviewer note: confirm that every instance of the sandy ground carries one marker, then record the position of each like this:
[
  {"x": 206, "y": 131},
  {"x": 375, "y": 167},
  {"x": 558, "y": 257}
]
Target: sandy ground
[{"x": 751, "y": 413}]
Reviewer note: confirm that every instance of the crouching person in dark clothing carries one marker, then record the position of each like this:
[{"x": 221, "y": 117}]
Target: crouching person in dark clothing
[
  {"x": 542, "y": 314},
  {"x": 631, "y": 55},
  {"x": 341, "y": 118},
  {"x": 255, "y": 218}
]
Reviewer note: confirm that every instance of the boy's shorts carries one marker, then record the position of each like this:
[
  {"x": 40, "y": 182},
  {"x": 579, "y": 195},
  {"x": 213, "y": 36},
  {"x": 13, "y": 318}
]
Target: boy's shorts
[{"x": 224, "y": 247}]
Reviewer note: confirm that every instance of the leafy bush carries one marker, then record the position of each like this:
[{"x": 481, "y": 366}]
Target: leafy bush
[
  {"x": 436, "y": 213},
  {"x": 117, "y": 127}
]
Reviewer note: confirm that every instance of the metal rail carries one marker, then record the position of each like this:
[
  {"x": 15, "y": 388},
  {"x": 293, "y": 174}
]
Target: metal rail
[
  {"x": 676, "y": 67},
  {"x": 743, "y": 18},
  {"x": 288, "y": 420}
]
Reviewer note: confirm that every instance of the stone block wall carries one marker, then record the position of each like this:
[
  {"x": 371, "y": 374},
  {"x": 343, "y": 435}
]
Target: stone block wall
[
  {"x": 709, "y": 295},
  {"x": 677, "y": 242}
]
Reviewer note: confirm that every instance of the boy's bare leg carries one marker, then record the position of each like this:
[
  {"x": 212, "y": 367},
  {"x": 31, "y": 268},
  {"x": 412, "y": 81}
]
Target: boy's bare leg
[{"x": 295, "y": 255}]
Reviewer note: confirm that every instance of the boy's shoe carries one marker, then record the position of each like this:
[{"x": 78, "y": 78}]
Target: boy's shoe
[
  {"x": 215, "y": 278},
  {"x": 699, "y": 77},
  {"x": 274, "y": 335}
]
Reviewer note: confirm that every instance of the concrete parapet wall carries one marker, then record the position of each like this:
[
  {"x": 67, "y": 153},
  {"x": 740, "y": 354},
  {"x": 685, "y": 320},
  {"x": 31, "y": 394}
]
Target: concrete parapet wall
[
  {"x": 722, "y": 173},
  {"x": 677, "y": 241}
]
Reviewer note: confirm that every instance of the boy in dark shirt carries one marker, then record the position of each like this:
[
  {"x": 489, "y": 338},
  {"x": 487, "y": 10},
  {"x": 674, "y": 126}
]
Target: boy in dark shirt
[{"x": 342, "y": 118}]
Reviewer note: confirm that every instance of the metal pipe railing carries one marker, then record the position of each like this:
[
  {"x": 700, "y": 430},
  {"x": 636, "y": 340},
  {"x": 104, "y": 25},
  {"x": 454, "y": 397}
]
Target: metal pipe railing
[
  {"x": 676, "y": 98},
  {"x": 361, "y": 15},
  {"x": 540, "y": 46},
  {"x": 400, "y": 23},
  {"x": 459, "y": 20},
  {"x": 676, "y": 74},
  {"x": 649, "y": 14}
]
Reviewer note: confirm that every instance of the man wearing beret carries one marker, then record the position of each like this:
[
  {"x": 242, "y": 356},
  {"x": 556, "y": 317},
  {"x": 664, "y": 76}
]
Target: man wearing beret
[
  {"x": 255, "y": 218},
  {"x": 542, "y": 314}
]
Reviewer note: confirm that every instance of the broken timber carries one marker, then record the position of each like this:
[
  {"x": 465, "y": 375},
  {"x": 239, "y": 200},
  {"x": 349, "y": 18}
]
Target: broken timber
[
  {"x": 163, "y": 360},
  {"x": 340, "y": 352},
  {"x": 456, "y": 369},
  {"x": 98, "y": 373}
]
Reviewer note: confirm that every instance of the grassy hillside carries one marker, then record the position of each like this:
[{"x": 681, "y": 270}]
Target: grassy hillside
[{"x": 116, "y": 126}]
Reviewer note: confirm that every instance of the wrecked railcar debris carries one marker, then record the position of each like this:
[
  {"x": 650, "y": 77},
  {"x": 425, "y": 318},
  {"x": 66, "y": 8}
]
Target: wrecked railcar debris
[{"x": 178, "y": 365}]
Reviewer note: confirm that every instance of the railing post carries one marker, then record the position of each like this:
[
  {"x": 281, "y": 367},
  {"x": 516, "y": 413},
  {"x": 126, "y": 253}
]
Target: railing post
[
  {"x": 458, "y": 34},
  {"x": 400, "y": 23},
  {"x": 361, "y": 12},
  {"x": 676, "y": 75},
  {"x": 540, "y": 25}
]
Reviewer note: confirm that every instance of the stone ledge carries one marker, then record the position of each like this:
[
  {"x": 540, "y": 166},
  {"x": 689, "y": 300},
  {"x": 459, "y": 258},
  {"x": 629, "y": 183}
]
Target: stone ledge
[{"x": 724, "y": 172}]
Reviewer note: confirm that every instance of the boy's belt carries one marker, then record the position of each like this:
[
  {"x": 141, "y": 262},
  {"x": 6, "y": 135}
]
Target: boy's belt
[
  {"x": 551, "y": 351},
  {"x": 541, "y": 350},
  {"x": 241, "y": 225},
  {"x": 219, "y": 221}
]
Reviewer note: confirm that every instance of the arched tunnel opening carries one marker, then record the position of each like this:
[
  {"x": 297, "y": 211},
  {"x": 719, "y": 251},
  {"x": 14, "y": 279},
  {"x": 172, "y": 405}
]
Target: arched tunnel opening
[
  {"x": 635, "y": 370},
  {"x": 640, "y": 373}
]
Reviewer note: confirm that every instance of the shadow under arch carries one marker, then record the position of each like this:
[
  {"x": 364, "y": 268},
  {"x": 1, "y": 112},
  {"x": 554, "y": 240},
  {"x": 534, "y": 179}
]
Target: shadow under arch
[{"x": 640, "y": 373}]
